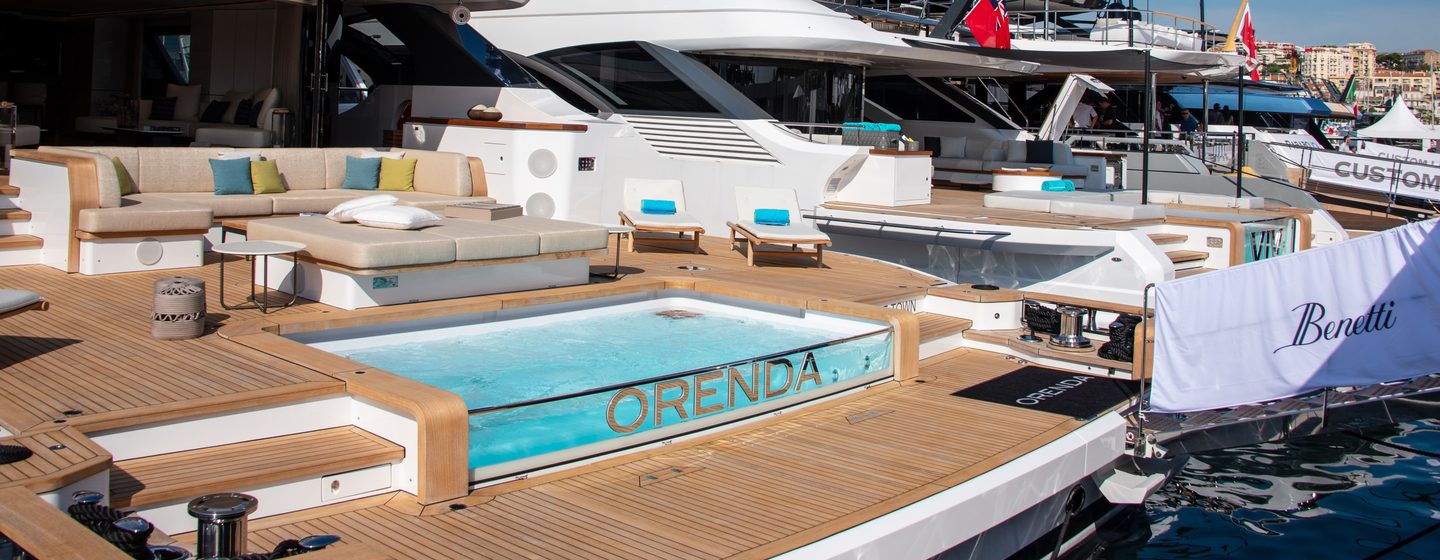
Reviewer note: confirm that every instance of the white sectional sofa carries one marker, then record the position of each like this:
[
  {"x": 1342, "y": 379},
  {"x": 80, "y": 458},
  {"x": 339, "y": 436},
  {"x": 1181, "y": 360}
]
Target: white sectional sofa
[
  {"x": 969, "y": 160},
  {"x": 76, "y": 200}
]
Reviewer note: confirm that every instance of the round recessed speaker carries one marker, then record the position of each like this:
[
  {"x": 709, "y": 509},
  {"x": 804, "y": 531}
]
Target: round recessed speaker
[
  {"x": 460, "y": 15},
  {"x": 149, "y": 252},
  {"x": 540, "y": 205},
  {"x": 543, "y": 163}
]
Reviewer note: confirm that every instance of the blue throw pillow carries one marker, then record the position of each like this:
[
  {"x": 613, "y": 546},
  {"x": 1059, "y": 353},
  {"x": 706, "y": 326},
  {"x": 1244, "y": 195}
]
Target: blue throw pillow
[
  {"x": 232, "y": 176},
  {"x": 245, "y": 112},
  {"x": 163, "y": 109},
  {"x": 772, "y": 217},
  {"x": 361, "y": 173},
  {"x": 648, "y": 206}
]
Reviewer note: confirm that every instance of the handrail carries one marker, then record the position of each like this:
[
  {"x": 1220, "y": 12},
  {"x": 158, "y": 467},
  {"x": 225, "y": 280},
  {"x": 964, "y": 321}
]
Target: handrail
[
  {"x": 935, "y": 229},
  {"x": 667, "y": 377}
]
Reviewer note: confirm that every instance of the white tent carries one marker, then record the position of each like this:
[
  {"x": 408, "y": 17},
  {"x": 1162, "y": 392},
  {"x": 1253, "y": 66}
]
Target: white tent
[{"x": 1400, "y": 124}]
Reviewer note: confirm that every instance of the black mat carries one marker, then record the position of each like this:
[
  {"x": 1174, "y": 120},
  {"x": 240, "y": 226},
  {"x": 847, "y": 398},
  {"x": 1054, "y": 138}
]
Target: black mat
[{"x": 1053, "y": 390}]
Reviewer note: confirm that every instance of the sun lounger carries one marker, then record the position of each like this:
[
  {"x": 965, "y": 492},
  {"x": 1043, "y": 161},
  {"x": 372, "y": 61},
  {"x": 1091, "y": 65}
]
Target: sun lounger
[
  {"x": 15, "y": 302},
  {"x": 648, "y": 209},
  {"x": 772, "y": 217}
]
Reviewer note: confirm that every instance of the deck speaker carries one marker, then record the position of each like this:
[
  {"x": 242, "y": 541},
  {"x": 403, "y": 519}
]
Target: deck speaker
[
  {"x": 460, "y": 15},
  {"x": 543, "y": 163}
]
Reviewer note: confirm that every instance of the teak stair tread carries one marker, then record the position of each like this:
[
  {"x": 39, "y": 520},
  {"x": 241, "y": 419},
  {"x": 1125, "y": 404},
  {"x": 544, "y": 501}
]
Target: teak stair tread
[
  {"x": 1168, "y": 238},
  {"x": 935, "y": 325},
  {"x": 14, "y": 214},
  {"x": 1192, "y": 272},
  {"x": 6, "y": 189},
  {"x": 8, "y": 242},
  {"x": 1178, "y": 257},
  {"x": 61, "y": 457},
  {"x": 186, "y": 474}
]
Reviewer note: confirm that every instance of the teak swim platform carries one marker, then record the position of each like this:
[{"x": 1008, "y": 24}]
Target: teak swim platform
[{"x": 755, "y": 488}]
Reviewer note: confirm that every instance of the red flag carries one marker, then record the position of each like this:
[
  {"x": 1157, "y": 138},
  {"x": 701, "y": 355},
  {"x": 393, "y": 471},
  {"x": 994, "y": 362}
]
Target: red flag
[
  {"x": 988, "y": 22},
  {"x": 1247, "y": 38}
]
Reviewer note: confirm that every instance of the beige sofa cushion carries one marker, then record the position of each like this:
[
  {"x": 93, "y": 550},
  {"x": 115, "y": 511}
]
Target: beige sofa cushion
[
  {"x": 558, "y": 236},
  {"x": 176, "y": 170},
  {"x": 353, "y": 245},
  {"x": 147, "y": 216},
  {"x": 296, "y": 202},
  {"x": 225, "y": 206},
  {"x": 487, "y": 240},
  {"x": 443, "y": 173},
  {"x": 1117, "y": 210},
  {"x": 301, "y": 168}
]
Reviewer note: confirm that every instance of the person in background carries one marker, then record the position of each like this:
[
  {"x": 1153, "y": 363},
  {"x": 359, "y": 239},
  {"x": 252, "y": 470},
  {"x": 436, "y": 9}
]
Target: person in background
[
  {"x": 1084, "y": 116},
  {"x": 1215, "y": 116},
  {"x": 1227, "y": 117},
  {"x": 1188, "y": 122}
]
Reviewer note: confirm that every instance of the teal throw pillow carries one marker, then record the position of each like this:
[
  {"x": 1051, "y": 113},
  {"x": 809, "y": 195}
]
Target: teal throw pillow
[
  {"x": 232, "y": 176},
  {"x": 361, "y": 173}
]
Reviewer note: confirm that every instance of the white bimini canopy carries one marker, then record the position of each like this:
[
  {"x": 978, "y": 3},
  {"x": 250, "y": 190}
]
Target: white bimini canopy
[{"x": 1401, "y": 124}]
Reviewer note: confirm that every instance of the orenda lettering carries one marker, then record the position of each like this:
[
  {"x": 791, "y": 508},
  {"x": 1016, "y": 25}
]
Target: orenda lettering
[
  {"x": 714, "y": 391},
  {"x": 1055, "y": 390},
  {"x": 1314, "y": 328}
]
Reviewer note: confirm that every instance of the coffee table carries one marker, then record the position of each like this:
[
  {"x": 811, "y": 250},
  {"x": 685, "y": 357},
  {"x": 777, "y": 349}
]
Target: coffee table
[
  {"x": 262, "y": 249},
  {"x": 1021, "y": 179},
  {"x": 145, "y": 136}
]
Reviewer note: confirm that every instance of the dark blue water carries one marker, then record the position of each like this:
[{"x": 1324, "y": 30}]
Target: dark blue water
[{"x": 1330, "y": 496}]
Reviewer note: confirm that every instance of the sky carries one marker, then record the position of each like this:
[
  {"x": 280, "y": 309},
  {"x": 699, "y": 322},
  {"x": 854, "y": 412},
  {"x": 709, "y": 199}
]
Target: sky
[{"x": 1393, "y": 25}]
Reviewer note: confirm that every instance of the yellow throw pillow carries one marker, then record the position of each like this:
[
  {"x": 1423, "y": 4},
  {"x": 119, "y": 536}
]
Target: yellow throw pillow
[
  {"x": 397, "y": 174},
  {"x": 127, "y": 185},
  {"x": 265, "y": 175}
]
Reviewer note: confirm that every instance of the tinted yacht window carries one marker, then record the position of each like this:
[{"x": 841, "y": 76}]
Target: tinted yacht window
[
  {"x": 432, "y": 49},
  {"x": 910, "y": 100},
  {"x": 630, "y": 78},
  {"x": 804, "y": 92}
]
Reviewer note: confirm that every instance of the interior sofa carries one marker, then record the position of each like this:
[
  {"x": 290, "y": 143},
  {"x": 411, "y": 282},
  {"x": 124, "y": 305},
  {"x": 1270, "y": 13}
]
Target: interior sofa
[
  {"x": 972, "y": 161},
  {"x": 166, "y": 223}
]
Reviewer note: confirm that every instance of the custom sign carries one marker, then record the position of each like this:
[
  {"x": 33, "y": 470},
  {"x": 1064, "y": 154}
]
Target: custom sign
[
  {"x": 1398, "y": 171},
  {"x": 1357, "y": 313}
]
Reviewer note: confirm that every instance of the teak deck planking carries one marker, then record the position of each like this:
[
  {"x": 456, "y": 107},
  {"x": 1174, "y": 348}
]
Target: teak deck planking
[
  {"x": 748, "y": 492},
  {"x": 755, "y": 491}
]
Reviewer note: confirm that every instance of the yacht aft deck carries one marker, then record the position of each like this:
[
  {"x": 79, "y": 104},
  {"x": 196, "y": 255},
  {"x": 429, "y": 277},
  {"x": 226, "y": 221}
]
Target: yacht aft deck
[{"x": 758, "y": 489}]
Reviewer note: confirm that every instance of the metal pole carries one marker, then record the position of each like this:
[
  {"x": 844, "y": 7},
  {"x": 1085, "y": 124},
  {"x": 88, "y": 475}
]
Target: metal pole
[
  {"x": 1130, "y": 17},
  {"x": 1240, "y": 134},
  {"x": 1148, "y": 118}
]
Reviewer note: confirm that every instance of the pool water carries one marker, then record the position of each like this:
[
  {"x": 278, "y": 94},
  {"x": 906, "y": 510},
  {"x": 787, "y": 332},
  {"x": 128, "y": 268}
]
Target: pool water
[{"x": 507, "y": 362}]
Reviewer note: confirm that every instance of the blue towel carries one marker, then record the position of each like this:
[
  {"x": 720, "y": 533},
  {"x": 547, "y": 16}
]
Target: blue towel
[
  {"x": 772, "y": 217},
  {"x": 1058, "y": 185},
  {"x": 882, "y": 127},
  {"x": 648, "y": 206}
]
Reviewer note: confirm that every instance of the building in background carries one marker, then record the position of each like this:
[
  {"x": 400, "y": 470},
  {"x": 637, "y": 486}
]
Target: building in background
[{"x": 1427, "y": 60}]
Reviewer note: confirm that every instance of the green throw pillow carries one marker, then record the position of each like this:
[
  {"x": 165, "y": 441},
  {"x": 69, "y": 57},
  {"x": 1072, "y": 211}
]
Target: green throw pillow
[
  {"x": 266, "y": 177},
  {"x": 127, "y": 185},
  {"x": 397, "y": 174}
]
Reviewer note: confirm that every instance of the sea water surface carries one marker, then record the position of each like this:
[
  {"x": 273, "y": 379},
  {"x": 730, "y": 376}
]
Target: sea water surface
[{"x": 1354, "y": 494}]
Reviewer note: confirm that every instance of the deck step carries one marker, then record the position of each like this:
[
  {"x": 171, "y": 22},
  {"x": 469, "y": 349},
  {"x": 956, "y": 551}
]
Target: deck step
[
  {"x": 7, "y": 190},
  {"x": 1179, "y": 257},
  {"x": 14, "y": 214},
  {"x": 15, "y": 242},
  {"x": 934, "y": 326},
  {"x": 1191, "y": 272},
  {"x": 251, "y": 464},
  {"x": 1168, "y": 238}
]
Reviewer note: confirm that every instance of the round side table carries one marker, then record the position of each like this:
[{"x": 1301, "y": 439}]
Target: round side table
[{"x": 262, "y": 249}]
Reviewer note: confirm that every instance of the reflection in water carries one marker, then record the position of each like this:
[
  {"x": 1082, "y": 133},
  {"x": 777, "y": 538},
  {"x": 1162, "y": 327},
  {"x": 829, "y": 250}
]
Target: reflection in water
[{"x": 1333, "y": 496}]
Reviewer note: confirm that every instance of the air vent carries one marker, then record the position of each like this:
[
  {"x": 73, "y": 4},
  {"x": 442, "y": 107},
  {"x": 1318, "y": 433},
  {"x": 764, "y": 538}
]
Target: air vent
[{"x": 712, "y": 139}]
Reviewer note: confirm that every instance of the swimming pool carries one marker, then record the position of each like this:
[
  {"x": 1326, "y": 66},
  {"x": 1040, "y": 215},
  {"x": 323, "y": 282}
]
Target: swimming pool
[{"x": 557, "y": 383}]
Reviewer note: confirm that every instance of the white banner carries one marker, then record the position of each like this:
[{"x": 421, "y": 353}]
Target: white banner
[
  {"x": 1402, "y": 172},
  {"x": 1356, "y": 313}
]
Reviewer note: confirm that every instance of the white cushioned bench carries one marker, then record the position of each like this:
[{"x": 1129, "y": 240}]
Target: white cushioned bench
[{"x": 353, "y": 266}]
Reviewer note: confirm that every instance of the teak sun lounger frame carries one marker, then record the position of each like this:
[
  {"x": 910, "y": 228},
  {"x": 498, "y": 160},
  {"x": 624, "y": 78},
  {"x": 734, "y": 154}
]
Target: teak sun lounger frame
[
  {"x": 40, "y": 305},
  {"x": 756, "y": 244},
  {"x": 692, "y": 240}
]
